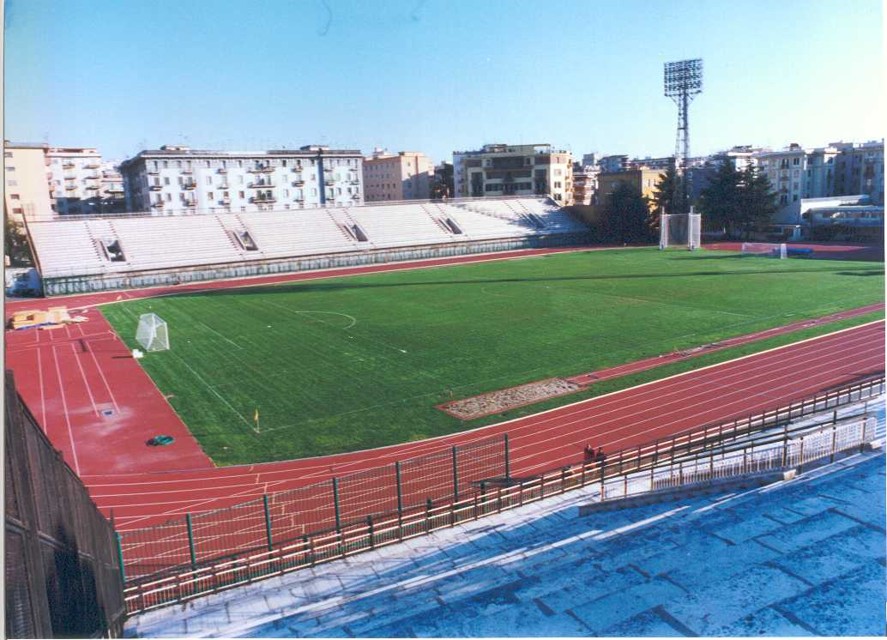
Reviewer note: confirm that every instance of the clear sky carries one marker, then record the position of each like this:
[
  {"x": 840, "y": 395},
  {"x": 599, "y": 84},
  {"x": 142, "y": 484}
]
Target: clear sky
[{"x": 437, "y": 76}]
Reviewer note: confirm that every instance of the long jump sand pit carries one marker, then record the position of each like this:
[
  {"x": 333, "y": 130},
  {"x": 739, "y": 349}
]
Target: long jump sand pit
[{"x": 497, "y": 401}]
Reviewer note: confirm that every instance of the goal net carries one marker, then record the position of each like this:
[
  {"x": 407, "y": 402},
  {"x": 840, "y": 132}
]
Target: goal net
[
  {"x": 766, "y": 249},
  {"x": 680, "y": 230},
  {"x": 152, "y": 333}
]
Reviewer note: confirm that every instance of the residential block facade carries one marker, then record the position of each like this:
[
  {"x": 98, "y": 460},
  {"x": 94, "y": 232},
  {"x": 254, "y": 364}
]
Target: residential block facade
[
  {"x": 499, "y": 170},
  {"x": 407, "y": 175},
  {"x": 26, "y": 182},
  {"x": 176, "y": 178}
]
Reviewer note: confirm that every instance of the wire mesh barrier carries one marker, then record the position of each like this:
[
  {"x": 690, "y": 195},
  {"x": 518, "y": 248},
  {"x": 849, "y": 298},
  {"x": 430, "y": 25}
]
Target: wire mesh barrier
[
  {"x": 331, "y": 520},
  {"x": 63, "y": 574}
]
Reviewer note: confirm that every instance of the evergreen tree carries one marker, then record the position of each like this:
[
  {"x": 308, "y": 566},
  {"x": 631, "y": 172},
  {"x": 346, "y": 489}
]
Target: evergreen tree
[
  {"x": 625, "y": 216},
  {"x": 720, "y": 202},
  {"x": 15, "y": 245},
  {"x": 757, "y": 201}
]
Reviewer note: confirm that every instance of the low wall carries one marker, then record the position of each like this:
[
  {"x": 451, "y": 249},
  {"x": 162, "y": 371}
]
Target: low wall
[{"x": 62, "y": 285}]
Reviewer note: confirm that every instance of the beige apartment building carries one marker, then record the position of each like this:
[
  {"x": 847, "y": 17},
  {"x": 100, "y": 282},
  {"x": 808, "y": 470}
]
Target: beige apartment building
[
  {"x": 75, "y": 180},
  {"x": 499, "y": 170},
  {"x": 26, "y": 187},
  {"x": 407, "y": 175}
]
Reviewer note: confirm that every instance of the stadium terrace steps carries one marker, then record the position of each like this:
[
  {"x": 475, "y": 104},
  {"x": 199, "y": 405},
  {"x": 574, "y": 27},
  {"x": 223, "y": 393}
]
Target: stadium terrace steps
[{"x": 71, "y": 247}]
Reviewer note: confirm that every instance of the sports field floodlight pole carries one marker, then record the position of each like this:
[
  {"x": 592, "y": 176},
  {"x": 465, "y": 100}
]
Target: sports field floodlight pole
[{"x": 683, "y": 82}]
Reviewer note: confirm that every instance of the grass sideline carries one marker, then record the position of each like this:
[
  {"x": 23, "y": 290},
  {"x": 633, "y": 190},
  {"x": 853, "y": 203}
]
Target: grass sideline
[{"x": 358, "y": 362}]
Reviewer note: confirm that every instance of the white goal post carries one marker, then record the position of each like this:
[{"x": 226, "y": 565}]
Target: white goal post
[
  {"x": 152, "y": 333},
  {"x": 766, "y": 249},
  {"x": 680, "y": 230}
]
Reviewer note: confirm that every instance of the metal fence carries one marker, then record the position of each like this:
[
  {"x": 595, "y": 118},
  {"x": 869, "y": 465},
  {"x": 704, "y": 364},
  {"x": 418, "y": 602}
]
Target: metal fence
[
  {"x": 324, "y": 508},
  {"x": 422, "y": 495},
  {"x": 63, "y": 576}
]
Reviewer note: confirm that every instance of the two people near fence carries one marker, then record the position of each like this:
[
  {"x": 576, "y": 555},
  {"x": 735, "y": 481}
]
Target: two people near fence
[{"x": 594, "y": 456}]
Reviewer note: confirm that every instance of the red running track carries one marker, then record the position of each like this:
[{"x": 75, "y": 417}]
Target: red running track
[{"x": 540, "y": 442}]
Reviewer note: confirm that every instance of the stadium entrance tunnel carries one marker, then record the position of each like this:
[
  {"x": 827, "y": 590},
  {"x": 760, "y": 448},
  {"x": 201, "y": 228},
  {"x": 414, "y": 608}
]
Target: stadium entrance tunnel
[{"x": 160, "y": 441}]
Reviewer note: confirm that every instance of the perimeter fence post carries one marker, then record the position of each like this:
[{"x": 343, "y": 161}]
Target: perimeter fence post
[
  {"x": 370, "y": 531},
  {"x": 336, "y": 504},
  {"x": 120, "y": 556},
  {"x": 399, "y": 500},
  {"x": 455, "y": 477},
  {"x": 267, "y": 521},
  {"x": 834, "y": 441},
  {"x": 191, "y": 550},
  {"x": 428, "y": 504},
  {"x": 507, "y": 461}
]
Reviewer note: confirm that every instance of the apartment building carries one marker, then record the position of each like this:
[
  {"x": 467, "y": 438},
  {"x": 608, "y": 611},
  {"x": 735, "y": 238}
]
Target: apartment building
[
  {"x": 786, "y": 170},
  {"x": 501, "y": 170},
  {"x": 859, "y": 169},
  {"x": 26, "y": 182},
  {"x": 585, "y": 175},
  {"x": 177, "y": 178},
  {"x": 75, "y": 179},
  {"x": 407, "y": 175},
  {"x": 641, "y": 180}
]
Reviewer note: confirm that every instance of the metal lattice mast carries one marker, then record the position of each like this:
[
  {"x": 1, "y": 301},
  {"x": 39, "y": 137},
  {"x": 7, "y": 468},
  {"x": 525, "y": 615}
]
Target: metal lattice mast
[{"x": 683, "y": 82}]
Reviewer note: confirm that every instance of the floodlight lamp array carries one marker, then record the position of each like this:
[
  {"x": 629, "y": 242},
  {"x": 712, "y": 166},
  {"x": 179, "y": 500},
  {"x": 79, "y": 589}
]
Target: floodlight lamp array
[{"x": 683, "y": 78}]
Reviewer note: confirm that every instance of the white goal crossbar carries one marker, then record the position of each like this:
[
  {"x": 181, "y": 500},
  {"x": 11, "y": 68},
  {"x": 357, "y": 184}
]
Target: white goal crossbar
[
  {"x": 680, "y": 230},
  {"x": 152, "y": 333},
  {"x": 765, "y": 249}
]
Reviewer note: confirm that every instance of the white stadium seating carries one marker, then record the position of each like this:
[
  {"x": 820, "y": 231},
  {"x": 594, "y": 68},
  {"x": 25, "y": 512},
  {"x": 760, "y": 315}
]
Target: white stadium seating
[{"x": 141, "y": 243}]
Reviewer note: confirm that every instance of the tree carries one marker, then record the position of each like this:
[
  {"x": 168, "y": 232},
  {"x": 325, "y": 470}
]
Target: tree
[
  {"x": 15, "y": 245},
  {"x": 720, "y": 202},
  {"x": 757, "y": 201},
  {"x": 668, "y": 196},
  {"x": 625, "y": 216}
]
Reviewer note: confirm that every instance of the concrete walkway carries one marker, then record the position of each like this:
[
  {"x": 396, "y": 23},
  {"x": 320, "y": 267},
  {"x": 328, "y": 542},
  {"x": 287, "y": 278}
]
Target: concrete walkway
[{"x": 802, "y": 557}]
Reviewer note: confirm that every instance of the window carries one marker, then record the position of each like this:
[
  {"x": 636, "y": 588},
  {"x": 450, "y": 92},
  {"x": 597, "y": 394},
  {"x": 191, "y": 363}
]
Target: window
[
  {"x": 178, "y": 164},
  {"x": 14, "y": 196},
  {"x": 166, "y": 164},
  {"x": 211, "y": 196},
  {"x": 209, "y": 180},
  {"x": 18, "y": 210},
  {"x": 11, "y": 183},
  {"x": 796, "y": 161},
  {"x": 166, "y": 181},
  {"x": 7, "y": 154},
  {"x": 241, "y": 194},
  {"x": 208, "y": 164},
  {"x": 286, "y": 193},
  {"x": 168, "y": 197}
]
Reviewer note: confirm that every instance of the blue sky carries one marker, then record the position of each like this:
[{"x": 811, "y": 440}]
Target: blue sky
[{"x": 438, "y": 76}]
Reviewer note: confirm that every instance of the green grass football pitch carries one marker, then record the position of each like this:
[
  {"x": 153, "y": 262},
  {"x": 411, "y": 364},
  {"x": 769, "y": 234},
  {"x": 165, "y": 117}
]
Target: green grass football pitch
[{"x": 350, "y": 363}]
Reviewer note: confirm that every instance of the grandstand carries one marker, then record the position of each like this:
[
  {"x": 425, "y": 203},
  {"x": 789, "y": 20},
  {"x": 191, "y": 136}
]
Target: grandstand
[{"x": 132, "y": 250}]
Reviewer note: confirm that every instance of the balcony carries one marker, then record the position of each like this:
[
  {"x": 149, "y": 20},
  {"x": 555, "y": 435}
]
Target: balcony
[
  {"x": 68, "y": 165},
  {"x": 92, "y": 187},
  {"x": 157, "y": 205},
  {"x": 261, "y": 170},
  {"x": 189, "y": 203},
  {"x": 155, "y": 187},
  {"x": 189, "y": 186},
  {"x": 225, "y": 201},
  {"x": 260, "y": 184},
  {"x": 153, "y": 172},
  {"x": 263, "y": 200},
  {"x": 70, "y": 187},
  {"x": 222, "y": 170},
  {"x": 93, "y": 165},
  {"x": 298, "y": 183},
  {"x": 224, "y": 185}
]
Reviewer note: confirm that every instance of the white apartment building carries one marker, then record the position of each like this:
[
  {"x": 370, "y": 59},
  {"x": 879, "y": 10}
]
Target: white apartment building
[
  {"x": 26, "y": 186},
  {"x": 786, "y": 171},
  {"x": 859, "y": 169},
  {"x": 407, "y": 175},
  {"x": 76, "y": 179},
  {"x": 176, "y": 178},
  {"x": 499, "y": 170}
]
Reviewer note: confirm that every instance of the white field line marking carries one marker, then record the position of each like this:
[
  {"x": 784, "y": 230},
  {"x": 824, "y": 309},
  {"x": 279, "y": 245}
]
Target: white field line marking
[
  {"x": 332, "y": 313},
  {"x": 221, "y": 336},
  {"x": 98, "y": 368},
  {"x": 214, "y": 392},
  {"x": 85, "y": 380},
  {"x": 58, "y": 374}
]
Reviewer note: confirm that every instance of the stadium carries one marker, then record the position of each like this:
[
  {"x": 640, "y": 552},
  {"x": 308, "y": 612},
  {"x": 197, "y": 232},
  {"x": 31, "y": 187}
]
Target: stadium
[{"x": 245, "y": 396}]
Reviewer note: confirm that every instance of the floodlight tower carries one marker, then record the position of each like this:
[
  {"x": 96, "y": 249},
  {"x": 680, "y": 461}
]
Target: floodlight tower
[{"x": 683, "y": 82}]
